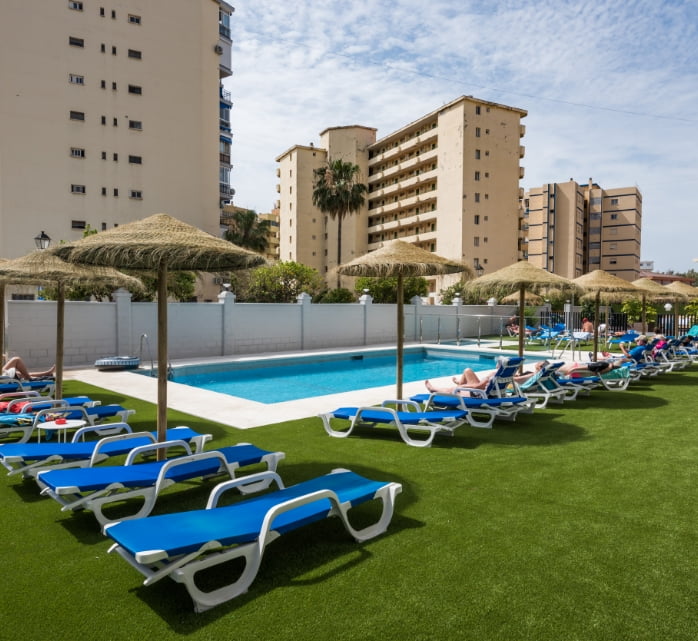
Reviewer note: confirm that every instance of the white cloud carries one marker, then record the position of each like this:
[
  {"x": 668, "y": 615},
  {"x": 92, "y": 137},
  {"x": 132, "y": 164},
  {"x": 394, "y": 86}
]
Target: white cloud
[{"x": 611, "y": 88}]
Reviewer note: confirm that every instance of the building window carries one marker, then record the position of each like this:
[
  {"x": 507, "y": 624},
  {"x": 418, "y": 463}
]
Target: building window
[
  {"x": 477, "y": 154},
  {"x": 101, "y": 11},
  {"x": 135, "y": 124},
  {"x": 135, "y": 160},
  {"x": 135, "y": 89},
  {"x": 477, "y": 132},
  {"x": 77, "y": 189},
  {"x": 103, "y": 48},
  {"x": 116, "y": 157},
  {"x": 614, "y": 216},
  {"x": 78, "y": 224},
  {"x": 614, "y": 201},
  {"x": 74, "y": 79},
  {"x": 104, "y": 191},
  {"x": 113, "y": 14},
  {"x": 104, "y": 155},
  {"x": 476, "y": 219},
  {"x": 77, "y": 115},
  {"x": 113, "y": 86},
  {"x": 613, "y": 261},
  {"x": 476, "y": 241},
  {"x": 104, "y": 226},
  {"x": 477, "y": 110},
  {"x": 115, "y": 122},
  {"x": 113, "y": 50},
  {"x": 134, "y": 53},
  {"x": 116, "y": 191},
  {"x": 136, "y": 194},
  {"x": 77, "y": 6},
  {"x": 134, "y": 19},
  {"x": 104, "y": 120},
  {"x": 477, "y": 196},
  {"x": 77, "y": 152},
  {"x": 487, "y": 132},
  {"x": 102, "y": 84},
  {"x": 477, "y": 175},
  {"x": 76, "y": 42}
]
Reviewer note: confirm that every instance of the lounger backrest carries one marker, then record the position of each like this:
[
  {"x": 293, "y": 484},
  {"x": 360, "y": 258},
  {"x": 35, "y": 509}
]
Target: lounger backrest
[{"x": 503, "y": 376}]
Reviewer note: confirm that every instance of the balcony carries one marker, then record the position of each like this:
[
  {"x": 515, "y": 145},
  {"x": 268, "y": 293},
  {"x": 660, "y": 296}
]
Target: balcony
[
  {"x": 522, "y": 173},
  {"x": 522, "y": 151},
  {"x": 522, "y": 131},
  {"x": 224, "y": 158},
  {"x": 224, "y": 31},
  {"x": 226, "y": 190}
]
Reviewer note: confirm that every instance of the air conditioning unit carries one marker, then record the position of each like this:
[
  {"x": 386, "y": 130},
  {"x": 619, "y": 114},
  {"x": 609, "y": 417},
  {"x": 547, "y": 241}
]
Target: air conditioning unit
[{"x": 218, "y": 49}]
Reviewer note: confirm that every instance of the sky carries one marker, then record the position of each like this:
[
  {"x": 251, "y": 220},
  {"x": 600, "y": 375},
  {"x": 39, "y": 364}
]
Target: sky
[{"x": 610, "y": 86}]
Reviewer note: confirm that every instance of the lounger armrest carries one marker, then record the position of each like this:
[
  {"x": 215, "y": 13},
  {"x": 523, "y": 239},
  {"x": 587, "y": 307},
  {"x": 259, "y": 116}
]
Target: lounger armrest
[
  {"x": 8, "y": 396},
  {"x": 267, "y": 477},
  {"x": 53, "y": 402},
  {"x": 79, "y": 434},
  {"x": 403, "y": 405},
  {"x": 154, "y": 447}
]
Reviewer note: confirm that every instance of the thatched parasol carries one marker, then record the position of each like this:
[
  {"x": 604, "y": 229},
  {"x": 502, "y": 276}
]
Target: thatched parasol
[
  {"x": 599, "y": 284},
  {"x": 41, "y": 267},
  {"x": 520, "y": 277},
  {"x": 529, "y": 298},
  {"x": 398, "y": 258},
  {"x": 652, "y": 290},
  {"x": 157, "y": 244}
]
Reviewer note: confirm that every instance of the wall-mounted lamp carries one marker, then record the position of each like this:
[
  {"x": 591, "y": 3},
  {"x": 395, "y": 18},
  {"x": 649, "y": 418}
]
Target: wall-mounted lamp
[{"x": 42, "y": 240}]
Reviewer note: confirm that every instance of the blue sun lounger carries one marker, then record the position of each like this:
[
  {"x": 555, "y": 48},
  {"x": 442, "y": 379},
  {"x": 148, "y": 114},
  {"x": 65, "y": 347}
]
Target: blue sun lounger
[
  {"x": 500, "y": 398},
  {"x": 22, "y": 425},
  {"x": 95, "y": 488},
  {"x": 406, "y": 422},
  {"x": 182, "y": 544},
  {"x": 28, "y": 459},
  {"x": 47, "y": 386}
]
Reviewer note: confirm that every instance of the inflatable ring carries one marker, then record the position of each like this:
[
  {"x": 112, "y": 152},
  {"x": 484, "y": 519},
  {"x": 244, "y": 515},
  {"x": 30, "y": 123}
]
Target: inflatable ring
[{"x": 117, "y": 362}]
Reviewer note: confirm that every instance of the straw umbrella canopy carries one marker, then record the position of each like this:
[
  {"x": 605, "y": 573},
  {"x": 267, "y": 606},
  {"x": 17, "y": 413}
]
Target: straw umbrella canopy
[
  {"x": 600, "y": 284},
  {"x": 679, "y": 287},
  {"x": 159, "y": 243},
  {"x": 529, "y": 298},
  {"x": 652, "y": 290},
  {"x": 41, "y": 267},
  {"x": 520, "y": 277},
  {"x": 399, "y": 259}
]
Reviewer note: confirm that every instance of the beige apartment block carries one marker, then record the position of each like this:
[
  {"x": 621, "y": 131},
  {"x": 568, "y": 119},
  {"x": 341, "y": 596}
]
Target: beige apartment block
[
  {"x": 272, "y": 251},
  {"x": 448, "y": 182},
  {"x": 571, "y": 229},
  {"x": 111, "y": 111}
]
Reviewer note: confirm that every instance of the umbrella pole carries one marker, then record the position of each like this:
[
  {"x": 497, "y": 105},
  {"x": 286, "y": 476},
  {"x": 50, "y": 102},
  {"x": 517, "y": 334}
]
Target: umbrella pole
[
  {"x": 596, "y": 324},
  {"x": 60, "y": 333},
  {"x": 644, "y": 314},
  {"x": 2, "y": 321},
  {"x": 400, "y": 335},
  {"x": 522, "y": 319},
  {"x": 675, "y": 331},
  {"x": 162, "y": 355}
]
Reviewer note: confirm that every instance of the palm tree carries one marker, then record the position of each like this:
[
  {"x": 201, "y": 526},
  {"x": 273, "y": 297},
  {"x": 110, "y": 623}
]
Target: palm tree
[
  {"x": 337, "y": 192},
  {"x": 249, "y": 231}
]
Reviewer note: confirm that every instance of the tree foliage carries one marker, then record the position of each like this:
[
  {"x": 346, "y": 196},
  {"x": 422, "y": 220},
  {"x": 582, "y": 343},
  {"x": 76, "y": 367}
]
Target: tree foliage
[
  {"x": 338, "y": 192},
  {"x": 180, "y": 287},
  {"x": 384, "y": 290},
  {"x": 339, "y": 295},
  {"x": 246, "y": 229},
  {"x": 283, "y": 282}
]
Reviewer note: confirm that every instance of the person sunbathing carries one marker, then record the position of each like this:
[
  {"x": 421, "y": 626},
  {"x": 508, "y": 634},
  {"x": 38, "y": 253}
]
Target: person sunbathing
[
  {"x": 15, "y": 367},
  {"x": 471, "y": 380}
]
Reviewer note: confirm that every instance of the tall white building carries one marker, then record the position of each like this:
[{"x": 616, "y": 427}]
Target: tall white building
[{"x": 110, "y": 111}]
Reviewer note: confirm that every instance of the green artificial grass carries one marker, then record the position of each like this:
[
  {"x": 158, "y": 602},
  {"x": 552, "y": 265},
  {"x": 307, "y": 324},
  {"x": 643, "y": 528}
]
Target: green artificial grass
[{"x": 574, "y": 523}]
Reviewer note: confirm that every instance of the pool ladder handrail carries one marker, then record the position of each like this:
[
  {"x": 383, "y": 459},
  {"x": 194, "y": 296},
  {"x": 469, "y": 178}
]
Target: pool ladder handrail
[{"x": 170, "y": 369}]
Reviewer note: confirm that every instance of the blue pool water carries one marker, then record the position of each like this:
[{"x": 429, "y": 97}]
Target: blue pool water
[{"x": 292, "y": 379}]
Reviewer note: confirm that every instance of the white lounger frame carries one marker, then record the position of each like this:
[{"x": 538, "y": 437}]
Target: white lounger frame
[{"x": 156, "y": 564}]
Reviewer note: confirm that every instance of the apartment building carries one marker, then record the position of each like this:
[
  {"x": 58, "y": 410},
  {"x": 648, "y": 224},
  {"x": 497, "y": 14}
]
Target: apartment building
[
  {"x": 110, "y": 111},
  {"x": 272, "y": 252},
  {"x": 571, "y": 229},
  {"x": 447, "y": 182}
]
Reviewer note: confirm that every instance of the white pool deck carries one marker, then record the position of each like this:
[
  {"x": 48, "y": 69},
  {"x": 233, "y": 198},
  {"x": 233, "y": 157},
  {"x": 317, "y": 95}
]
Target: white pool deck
[{"x": 244, "y": 414}]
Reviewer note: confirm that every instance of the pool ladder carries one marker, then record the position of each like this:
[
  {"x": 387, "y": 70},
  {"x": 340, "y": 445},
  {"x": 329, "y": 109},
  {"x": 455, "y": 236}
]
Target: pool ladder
[{"x": 170, "y": 370}]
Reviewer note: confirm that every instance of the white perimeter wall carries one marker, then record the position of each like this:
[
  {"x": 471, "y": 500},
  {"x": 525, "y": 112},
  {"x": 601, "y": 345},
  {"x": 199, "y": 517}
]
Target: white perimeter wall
[{"x": 95, "y": 330}]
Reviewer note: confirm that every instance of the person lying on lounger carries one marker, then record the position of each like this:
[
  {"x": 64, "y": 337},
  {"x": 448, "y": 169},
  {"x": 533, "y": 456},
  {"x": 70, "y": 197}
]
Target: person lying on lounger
[
  {"x": 16, "y": 368},
  {"x": 470, "y": 379}
]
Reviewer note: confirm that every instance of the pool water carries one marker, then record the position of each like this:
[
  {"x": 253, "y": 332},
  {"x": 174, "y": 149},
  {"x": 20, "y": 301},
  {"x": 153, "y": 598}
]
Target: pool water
[{"x": 293, "y": 379}]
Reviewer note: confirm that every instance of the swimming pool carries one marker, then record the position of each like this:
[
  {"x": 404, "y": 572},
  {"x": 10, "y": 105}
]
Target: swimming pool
[{"x": 292, "y": 378}]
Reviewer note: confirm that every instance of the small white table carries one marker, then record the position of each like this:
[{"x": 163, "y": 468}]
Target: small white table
[{"x": 63, "y": 427}]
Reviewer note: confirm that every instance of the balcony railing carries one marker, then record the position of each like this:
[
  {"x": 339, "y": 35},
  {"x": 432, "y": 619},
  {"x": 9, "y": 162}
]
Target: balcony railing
[
  {"x": 225, "y": 189},
  {"x": 225, "y": 158},
  {"x": 226, "y": 95},
  {"x": 224, "y": 31}
]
